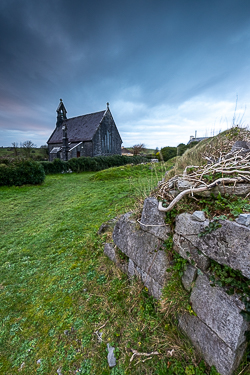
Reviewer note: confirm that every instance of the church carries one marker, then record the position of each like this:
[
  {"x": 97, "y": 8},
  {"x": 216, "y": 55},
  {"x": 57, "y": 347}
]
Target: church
[{"x": 94, "y": 134}]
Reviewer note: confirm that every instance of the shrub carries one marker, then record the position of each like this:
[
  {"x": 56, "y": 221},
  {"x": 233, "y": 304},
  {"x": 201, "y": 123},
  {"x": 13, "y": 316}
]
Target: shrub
[
  {"x": 88, "y": 164},
  {"x": 56, "y": 166},
  {"x": 21, "y": 172},
  {"x": 168, "y": 152}
]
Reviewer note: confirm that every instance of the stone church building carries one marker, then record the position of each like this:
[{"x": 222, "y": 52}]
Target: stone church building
[{"x": 94, "y": 134}]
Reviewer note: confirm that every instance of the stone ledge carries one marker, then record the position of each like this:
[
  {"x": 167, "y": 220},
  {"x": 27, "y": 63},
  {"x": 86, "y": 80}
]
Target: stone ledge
[
  {"x": 213, "y": 349},
  {"x": 219, "y": 312},
  {"x": 141, "y": 247},
  {"x": 229, "y": 244},
  {"x": 151, "y": 215}
]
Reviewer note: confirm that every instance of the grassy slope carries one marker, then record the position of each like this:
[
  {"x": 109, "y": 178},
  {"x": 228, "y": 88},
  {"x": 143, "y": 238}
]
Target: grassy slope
[
  {"x": 57, "y": 288},
  {"x": 223, "y": 142}
]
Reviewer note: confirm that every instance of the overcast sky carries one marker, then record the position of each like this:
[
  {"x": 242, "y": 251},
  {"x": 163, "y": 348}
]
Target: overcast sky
[{"x": 167, "y": 68}]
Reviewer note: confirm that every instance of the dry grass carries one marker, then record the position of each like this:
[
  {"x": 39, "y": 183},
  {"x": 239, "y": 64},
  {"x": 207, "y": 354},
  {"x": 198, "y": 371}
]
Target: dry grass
[{"x": 212, "y": 146}]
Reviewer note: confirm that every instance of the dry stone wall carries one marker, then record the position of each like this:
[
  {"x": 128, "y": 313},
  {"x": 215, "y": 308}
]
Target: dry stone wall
[
  {"x": 217, "y": 329},
  {"x": 142, "y": 244}
]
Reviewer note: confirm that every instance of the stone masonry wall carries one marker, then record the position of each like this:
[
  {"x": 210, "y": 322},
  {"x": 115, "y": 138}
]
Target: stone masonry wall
[
  {"x": 142, "y": 243},
  {"x": 218, "y": 329}
]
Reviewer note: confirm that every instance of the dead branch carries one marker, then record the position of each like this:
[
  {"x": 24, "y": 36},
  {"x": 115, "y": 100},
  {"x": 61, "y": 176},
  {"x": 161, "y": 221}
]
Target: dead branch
[
  {"x": 136, "y": 353},
  {"x": 234, "y": 164}
]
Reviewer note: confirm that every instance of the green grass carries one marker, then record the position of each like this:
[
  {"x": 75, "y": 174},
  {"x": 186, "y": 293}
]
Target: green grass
[{"x": 57, "y": 288}]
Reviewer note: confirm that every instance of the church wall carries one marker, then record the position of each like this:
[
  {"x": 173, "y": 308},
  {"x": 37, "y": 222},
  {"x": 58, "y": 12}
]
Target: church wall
[
  {"x": 51, "y": 146},
  {"x": 87, "y": 149}
]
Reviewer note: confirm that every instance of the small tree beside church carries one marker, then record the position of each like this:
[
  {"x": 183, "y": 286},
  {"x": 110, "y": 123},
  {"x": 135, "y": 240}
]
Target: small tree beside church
[
  {"x": 137, "y": 149},
  {"x": 27, "y": 148}
]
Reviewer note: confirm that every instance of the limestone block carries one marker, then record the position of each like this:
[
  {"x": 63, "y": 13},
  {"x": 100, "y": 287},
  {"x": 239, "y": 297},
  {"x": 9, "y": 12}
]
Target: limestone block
[
  {"x": 131, "y": 268},
  {"x": 219, "y": 312},
  {"x": 188, "y": 227},
  {"x": 153, "y": 220},
  {"x": 189, "y": 277},
  {"x": 183, "y": 184},
  {"x": 239, "y": 145},
  {"x": 240, "y": 189},
  {"x": 188, "y": 251},
  {"x": 243, "y": 219},
  {"x": 213, "y": 349},
  {"x": 228, "y": 245},
  {"x": 154, "y": 288},
  {"x": 109, "y": 250},
  {"x": 141, "y": 247},
  {"x": 111, "y": 356},
  {"x": 199, "y": 216}
]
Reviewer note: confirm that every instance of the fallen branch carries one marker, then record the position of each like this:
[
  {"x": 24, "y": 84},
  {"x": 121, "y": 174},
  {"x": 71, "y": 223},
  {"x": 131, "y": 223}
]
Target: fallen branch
[
  {"x": 136, "y": 353},
  {"x": 198, "y": 190}
]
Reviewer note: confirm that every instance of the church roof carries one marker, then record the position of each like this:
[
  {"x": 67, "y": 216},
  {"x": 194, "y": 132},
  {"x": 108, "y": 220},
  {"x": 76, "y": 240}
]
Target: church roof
[{"x": 80, "y": 128}]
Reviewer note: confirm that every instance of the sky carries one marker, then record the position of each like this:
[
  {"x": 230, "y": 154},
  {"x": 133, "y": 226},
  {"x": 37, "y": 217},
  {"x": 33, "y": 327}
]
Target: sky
[{"x": 167, "y": 68}]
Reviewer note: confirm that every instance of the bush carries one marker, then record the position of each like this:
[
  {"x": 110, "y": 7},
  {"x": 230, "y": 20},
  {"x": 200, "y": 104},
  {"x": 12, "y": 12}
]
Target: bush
[
  {"x": 88, "y": 164},
  {"x": 21, "y": 172},
  {"x": 168, "y": 152},
  {"x": 56, "y": 166}
]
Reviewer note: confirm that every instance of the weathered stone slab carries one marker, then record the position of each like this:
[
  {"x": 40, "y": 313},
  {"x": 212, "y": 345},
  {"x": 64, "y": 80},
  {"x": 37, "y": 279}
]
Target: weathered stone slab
[
  {"x": 183, "y": 184},
  {"x": 243, "y": 219},
  {"x": 188, "y": 227},
  {"x": 219, "y": 312},
  {"x": 199, "y": 216},
  {"x": 189, "y": 277},
  {"x": 111, "y": 356},
  {"x": 154, "y": 288},
  {"x": 240, "y": 190},
  {"x": 109, "y": 250},
  {"x": 241, "y": 145},
  {"x": 228, "y": 245},
  {"x": 213, "y": 349},
  {"x": 153, "y": 220},
  {"x": 188, "y": 251},
  {"x": 141, "y": 247}
]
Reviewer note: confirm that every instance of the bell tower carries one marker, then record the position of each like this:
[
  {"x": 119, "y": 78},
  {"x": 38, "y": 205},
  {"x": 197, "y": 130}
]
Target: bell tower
[{"x": 61, "y": 113}]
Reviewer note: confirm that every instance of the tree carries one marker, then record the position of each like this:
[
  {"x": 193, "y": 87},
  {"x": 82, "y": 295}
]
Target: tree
[
  {"x": 168, "y": 152},
  {"x": 181, "y": 148},
  {"x": 45, "y": 150},
  {"x": 138, "y": 148},
  {"x": 27, "y": 148},
  {"x": 15, "y": 146}
]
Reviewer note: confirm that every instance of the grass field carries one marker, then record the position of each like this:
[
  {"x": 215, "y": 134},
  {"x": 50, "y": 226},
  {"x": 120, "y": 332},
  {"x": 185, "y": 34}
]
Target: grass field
[
  {"x": 10, "y": 153},
  {"x": 59, "y": 293}
]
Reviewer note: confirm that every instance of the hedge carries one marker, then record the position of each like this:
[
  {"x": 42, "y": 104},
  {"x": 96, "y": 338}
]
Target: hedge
[
  {"x": 88, "y": 164},
  {"x": 21, "y": 172}
]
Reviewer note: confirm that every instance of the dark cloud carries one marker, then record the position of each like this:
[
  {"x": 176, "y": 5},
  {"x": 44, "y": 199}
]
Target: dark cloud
[{"x": 149, "y": 53}]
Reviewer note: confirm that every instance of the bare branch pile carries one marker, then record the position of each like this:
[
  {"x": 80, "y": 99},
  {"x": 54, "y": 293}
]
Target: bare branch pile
[{"x": 230, "y": 169}]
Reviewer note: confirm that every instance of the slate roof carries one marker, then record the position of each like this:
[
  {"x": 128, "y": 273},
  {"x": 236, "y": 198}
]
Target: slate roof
[{"x": 81, "y": 128}]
